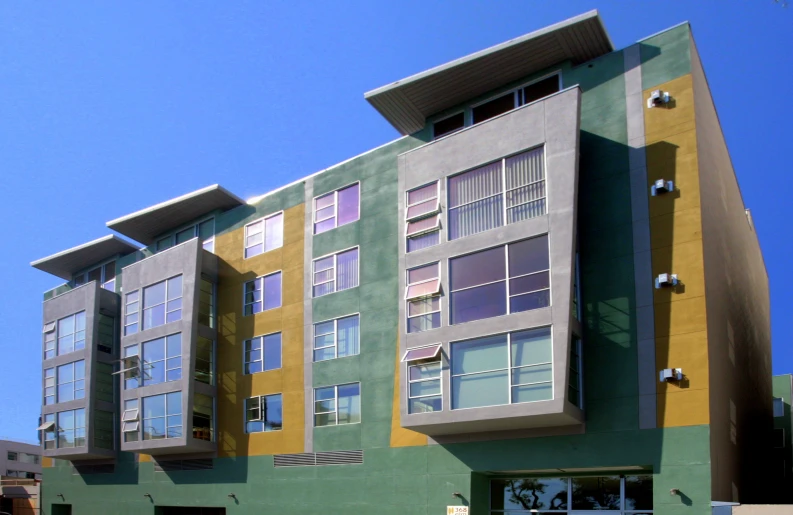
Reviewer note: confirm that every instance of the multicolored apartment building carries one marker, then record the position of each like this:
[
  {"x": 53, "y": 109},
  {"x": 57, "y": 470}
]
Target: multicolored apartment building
[{"x": 547, "y": 296}]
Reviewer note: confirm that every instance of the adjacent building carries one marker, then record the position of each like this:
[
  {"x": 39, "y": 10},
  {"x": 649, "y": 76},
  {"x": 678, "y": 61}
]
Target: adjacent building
[
  {"x": 546, "y": 296},
  {"x": 783, "y": 438},
  {"x": 20, "y": 476}
]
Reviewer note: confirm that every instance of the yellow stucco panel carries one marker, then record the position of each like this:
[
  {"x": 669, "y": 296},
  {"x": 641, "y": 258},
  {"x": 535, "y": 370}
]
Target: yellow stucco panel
[
  {"x": 685, "y": 260},
  {"x": 234, "y": 386},
  {"x": 676, "y": 241},
  {"x": 401, "y": 437}
]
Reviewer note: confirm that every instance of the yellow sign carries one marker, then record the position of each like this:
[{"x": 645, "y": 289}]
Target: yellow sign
[{"x": 457, "y": 510}]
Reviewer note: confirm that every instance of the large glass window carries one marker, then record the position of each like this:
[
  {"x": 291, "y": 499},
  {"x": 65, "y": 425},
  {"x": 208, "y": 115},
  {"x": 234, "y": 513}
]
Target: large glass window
[
  {"x": 263, "y": 353},
  {"x": 264, "y": 413},
  {"x": 516, "y": 98},
  {"x": 479, "y": 285},
  {"x": 105, "y": 274},
  {"x": 162, "y": 302},
  {"x": 424, "y": 386},
  {"x": 203, "y": 417},
  {"x": 162, "y": 416},
  {"x": 337, "y": 338},
  {"x": 502, "y": 369},
  {"x": 131, "y": 312},
  {"x": 337, "y": 208},
  {"x": 264, "y": 235},
  {"x": 423, "y": 298},
  {"x": 623, "y": 495},
  {"x": 422, "y": 220},
  {"x": 507, "y": 191},
  {"x": 71, "y": 428},
  {"x": 71, "y": 381},
  {"x": 206, "y": 303},
  {"x": 205, "y": 361},
  {"x": 71, "y": 333},
  {"x": 335, "y": 405},
  {"x": 262, "y": 293},
  {"x": 336, "y": 272},
  {"x": 162, "y": 360}
]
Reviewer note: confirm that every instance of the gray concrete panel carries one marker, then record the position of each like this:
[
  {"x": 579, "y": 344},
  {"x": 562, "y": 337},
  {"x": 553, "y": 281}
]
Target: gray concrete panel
[{"x": 308, "y": 317}]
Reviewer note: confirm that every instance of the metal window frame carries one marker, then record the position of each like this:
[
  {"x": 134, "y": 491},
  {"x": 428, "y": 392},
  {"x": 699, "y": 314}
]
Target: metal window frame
[
  {"x": 424, "y": 361},
  {"x": 143, "y": 364},
  {"x": 263, "y": 221},
  {"x": 335, "y": 279},
  {"x": 335, "y": 215},
  {"x": 515, "y": 91},
  {"x": 465, "y": 124},
  {"x": 437, "y": 198},
  {"x": 335, "y": 404},
  {"x": 165, "y": 415},
  {"x": 245, "y": 350},
  {"x": 335, "y": 334},
  {"x": 196, "y": 234},
  {"x": 58, "y": 336},
  {"x": 142, "y": 307},
  {"x": 261, "y": 417},
  {"x": 137, "y": 311},
  {"x": 73, "y": 382},
  {"x": 260, "y": 280}
]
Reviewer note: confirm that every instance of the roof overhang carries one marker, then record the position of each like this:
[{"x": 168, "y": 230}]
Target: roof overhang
[
  {"x": 145, "y": 225},
  {"x": 407, "y": 103},
  {"x": 64, "y": 264}
]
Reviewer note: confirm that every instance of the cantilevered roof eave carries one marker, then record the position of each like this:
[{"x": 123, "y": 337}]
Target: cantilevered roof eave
[
  {"x": 408, "y": 102},
  {"x": 65, "y": 263},
  {"x": 146, "y": 224}
]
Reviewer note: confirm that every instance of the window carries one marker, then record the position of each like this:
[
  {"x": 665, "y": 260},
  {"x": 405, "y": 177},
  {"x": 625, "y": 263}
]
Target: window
[
  {"x": 103, "y": 429},
  {"x": 337, "y": 338},
  {"x": 337, "y": 208},
  {"x": 131, "y": 308},
  {"x": 162, "y": 416},
  {"x": 205, "y": 231},
  {"x": 448, "y": 125},
  {"x": 206, "y": 303},
  {"x": 263, "y": 353},
  {"x": 105, "y": 274},
  {"x": 71, "y": 333},
  {"x": 423, "y": 298},
  {"x": 130, "y": 367},
  {"x": 12, "y": 456},
  {"x": 203, "y": 417},
  {"x": 336, "y": 272},
  {"x": 48, "y": 431},
  {"x": 479, "y": 285},
  {"x": 130, "y": 421},
  {"x": 264, "y": 235},
  {"x": 623, "y": 495},
  {"x": 24, "y": 457},
  {"x": 576, "y": 290},
  {"x": 512, "y": 189},
  {"x": 71, "y": 381},
  {"x": 424, "y": 384},
  {"x": 262, "y": 293},
  {"x": 264, "y": 413},
  {"x": 422, "y": 227},
  {"x": 516, "y": 98},
  {"x": 71, "y": 428},
  {"x": 49, "y": 386},
  {"x": 779, "y": 407},
  {"x": 105, "y": 384},
  {"x": 574, "y": 384},
  {"x": 162, "y": 360},
  {"x": 49, "y": 340},
  {"x": 106, "y": 334},
  {"x": 205, "y": 361},
  {"x": 162, "y": 302},
  {"x": 502, "y": 369},
  {"x": 335, "y": 405}
]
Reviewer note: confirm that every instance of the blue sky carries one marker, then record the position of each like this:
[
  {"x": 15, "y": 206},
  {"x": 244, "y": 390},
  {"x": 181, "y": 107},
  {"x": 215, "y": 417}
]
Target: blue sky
[{"x": 109, "y": 107}]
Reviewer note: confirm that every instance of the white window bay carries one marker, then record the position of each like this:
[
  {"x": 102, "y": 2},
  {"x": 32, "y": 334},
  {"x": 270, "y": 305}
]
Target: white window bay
[
  {"x": 264, "y": 235},
  {"x": 335, "y": 272},
  {"x": 337, "y": 338},
  {"x": 422, "y": 217},
  {"x": 422, "y": 295}
]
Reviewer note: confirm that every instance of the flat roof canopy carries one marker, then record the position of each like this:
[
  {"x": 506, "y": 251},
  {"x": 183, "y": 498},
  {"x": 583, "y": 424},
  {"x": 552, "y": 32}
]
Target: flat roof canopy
[
  {"x": 145, "y": 225},
  {"x": 64, "y": 264},
  {"x": 407, "y": 103}
]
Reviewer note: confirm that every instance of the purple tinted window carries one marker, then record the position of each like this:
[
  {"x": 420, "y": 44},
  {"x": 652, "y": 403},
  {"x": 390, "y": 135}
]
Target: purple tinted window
[
  {"x": 480, "y": 302},
  {"x": 528, "y": 256},
  {"x": 423, "y": 273},
  {"x": 272, "y": 351},
  {"x": 272, "y": 291},
  {"x": 347, "y": 270},
  {"x": 424, "y": 322},
  {"x": 423, "y": 241},
  {"x": 529, "y": 301},
  {"x": 480, "y": 268},
  {"x": 529, "y": 283},
  {"x": 348, "y": 204}
]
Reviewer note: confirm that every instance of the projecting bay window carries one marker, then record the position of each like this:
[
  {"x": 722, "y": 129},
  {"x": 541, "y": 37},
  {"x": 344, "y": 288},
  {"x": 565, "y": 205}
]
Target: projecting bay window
[
  {"x": 263, "y": 353},
  {"x": 502, "y": 369},
  {"x": 337, "y": 405},
  {"x": 71, "y": 381},
  {"x": 424, "y": 379},
  {"x": 264, "y": 235},
  {"x": 262, "y": 293},
  {"x": 507, "y": 191},
  {"x": 337, "y": 338},
  {"x": 502, "y": 280},
  {"x": 337, "y": 208},
  {"x": 336, "y": 272},
  {"x": 422, "y": 218},
  {"x": 70, "y": 336},
  {"x": 162, "y": 302},
  {"x": 71, "y": 428},
  {"x": 516, "y": 98},
  {"x": 423, "y": 298},
  {"x": 162, "y": 360},
  {"x": 264, "y": 413},
  {"x": 162, "y": 416}
]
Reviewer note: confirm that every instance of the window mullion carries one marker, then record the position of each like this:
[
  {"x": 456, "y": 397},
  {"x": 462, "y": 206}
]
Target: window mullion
[
  {"x": 336, "y": 402},
  {"x": 336, "y": 338},
  {"x": 504, "y": 190},
  {"x": 509, "y": 363},
  {"x": 506, "y": 267}
]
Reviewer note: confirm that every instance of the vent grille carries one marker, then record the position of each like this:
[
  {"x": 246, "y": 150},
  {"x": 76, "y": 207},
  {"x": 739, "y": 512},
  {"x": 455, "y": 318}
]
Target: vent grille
[
  {"x": 93, "y": 469},
  {"x": 174, "y": 465},
  {"x": 311, "y": 459}
]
